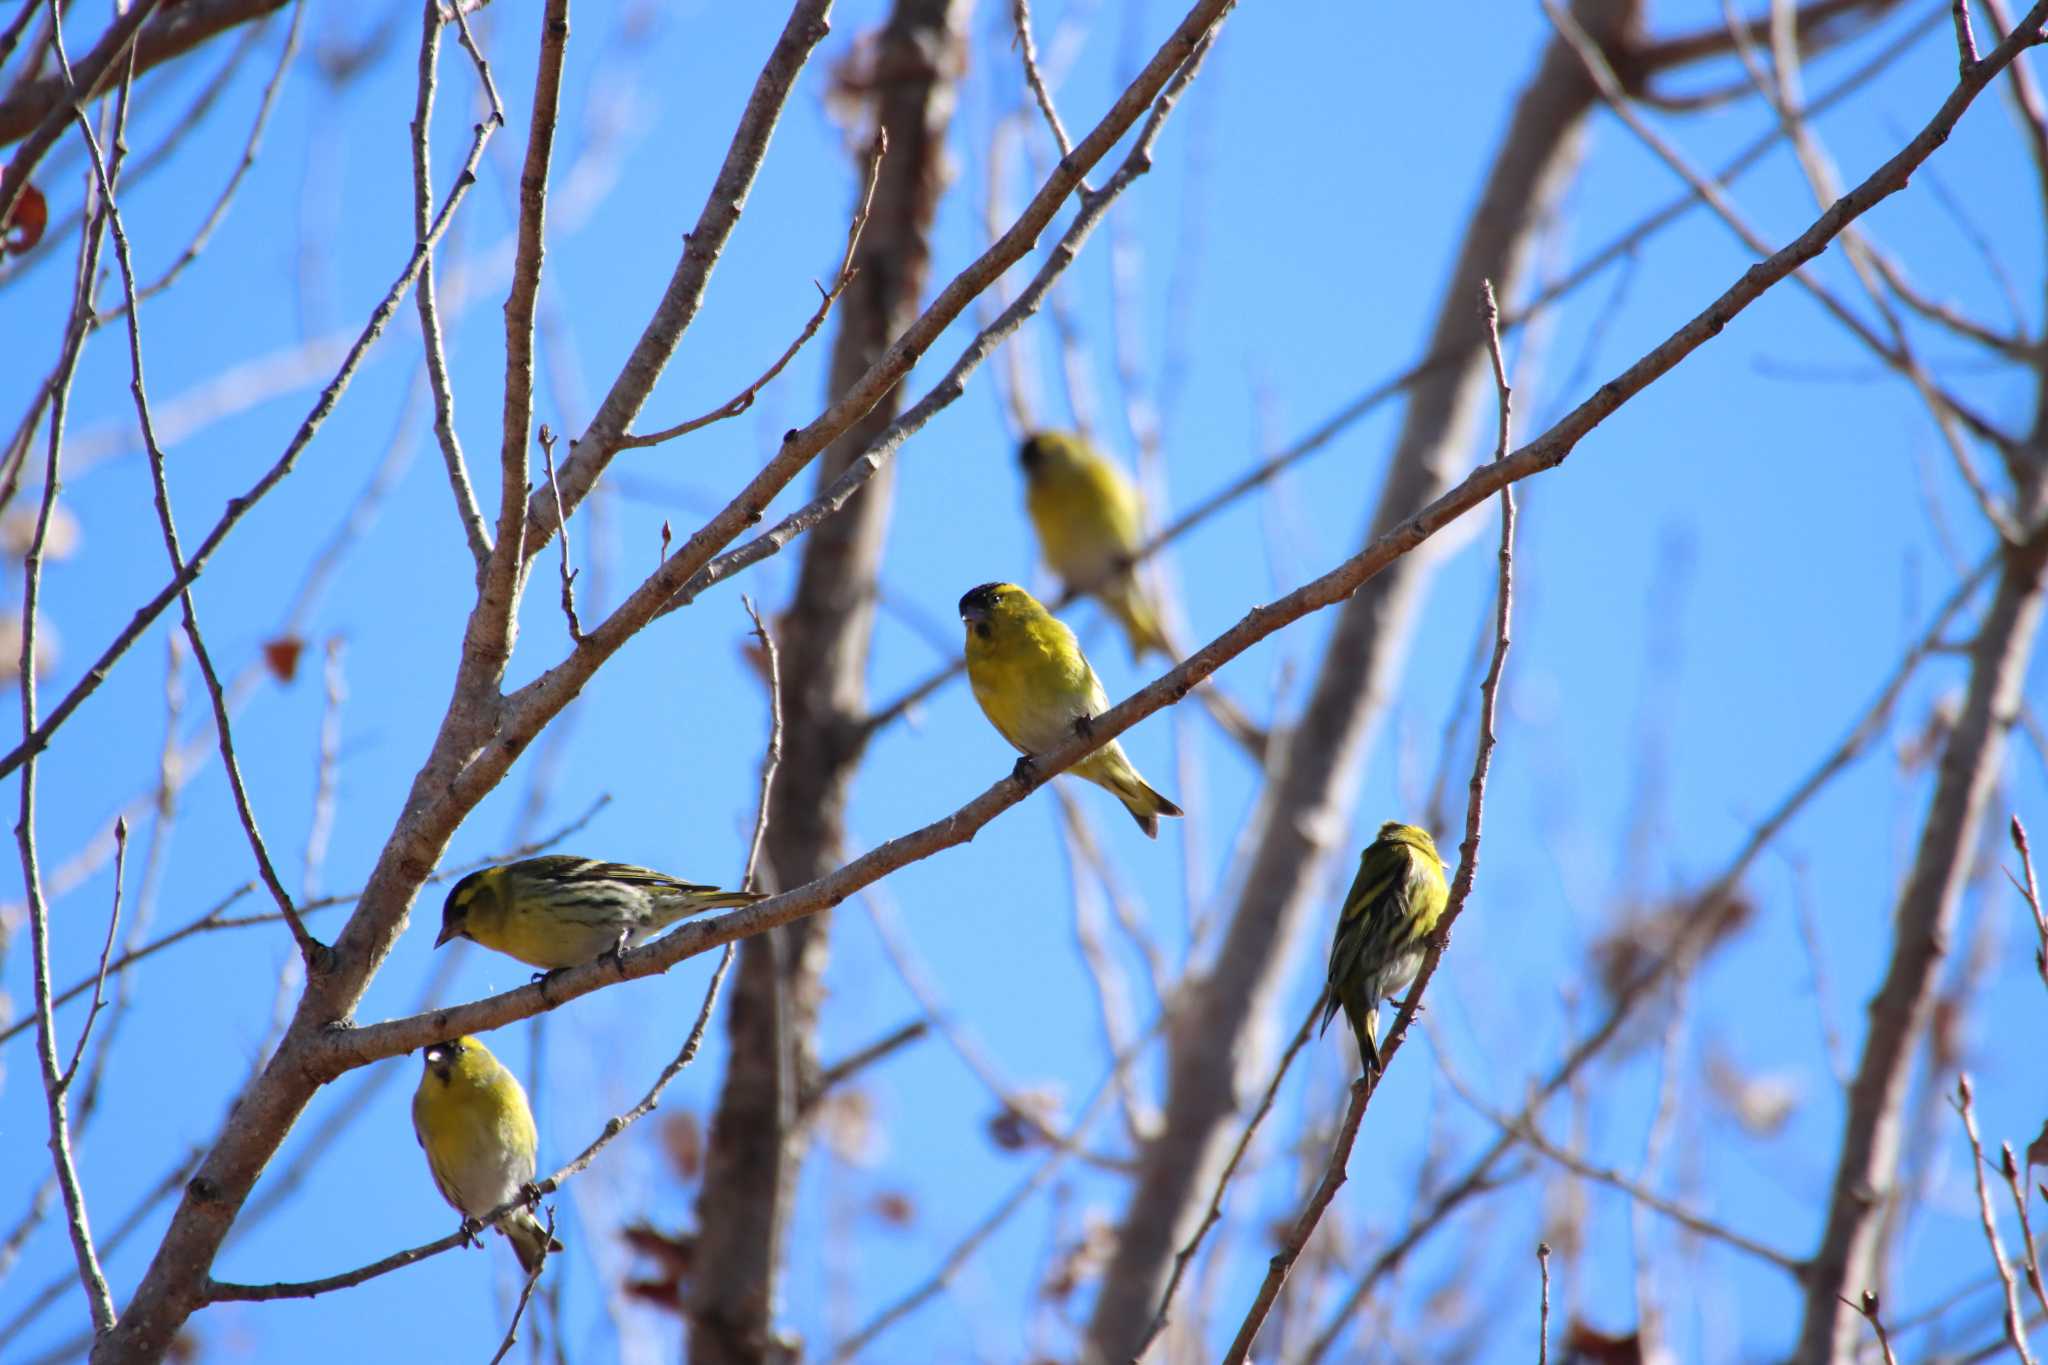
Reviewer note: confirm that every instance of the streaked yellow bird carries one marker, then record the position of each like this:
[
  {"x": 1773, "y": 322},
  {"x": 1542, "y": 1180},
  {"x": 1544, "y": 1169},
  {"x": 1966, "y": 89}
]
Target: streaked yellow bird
[
  {"x": 1036, "y": 688},
  {"x": 1090, "y": 522},
  {"x": 559, "y": 911},
  {"x": 1382, "y": 931},
  {"x": 471, "y": 1117}
]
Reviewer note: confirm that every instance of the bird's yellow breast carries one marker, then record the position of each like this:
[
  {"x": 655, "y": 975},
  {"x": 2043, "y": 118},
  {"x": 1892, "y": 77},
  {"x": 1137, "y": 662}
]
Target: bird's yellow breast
[
  {"x": 1031, "y": 679},
  {"x": 1087, "y": 518}
]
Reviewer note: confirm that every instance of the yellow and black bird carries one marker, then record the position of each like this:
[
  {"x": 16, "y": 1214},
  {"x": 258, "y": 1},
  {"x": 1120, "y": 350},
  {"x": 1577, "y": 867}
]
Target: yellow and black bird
[
  {"x": 1383, "y": 930},
  {"x": 1036, "y": 688},
  {"x": 1090, "y": 522},
  {"x": 559, "y": 911},
  {"x": 471, "y": 1117}
]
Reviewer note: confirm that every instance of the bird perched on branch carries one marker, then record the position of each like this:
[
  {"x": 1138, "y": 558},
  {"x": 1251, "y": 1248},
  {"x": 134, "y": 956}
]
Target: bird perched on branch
[
  {"x": 1383, "y": 930},
  {"x": 1090, "y": 523},
  {"x": 559, "y": 911},
  {"x": 1036, "y": 688},
  {"x": 471, "y": 1117}
]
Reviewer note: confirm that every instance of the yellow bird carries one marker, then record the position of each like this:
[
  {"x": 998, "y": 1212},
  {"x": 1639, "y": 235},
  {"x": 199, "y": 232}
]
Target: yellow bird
[
  {"x": 1383, "y": 930},
  {"x": 559, "y": 911},
  {"x": 1036, "y": 688},
  {"x": 471, "y": 1117},
  {"x": 1090, "y": 522}
]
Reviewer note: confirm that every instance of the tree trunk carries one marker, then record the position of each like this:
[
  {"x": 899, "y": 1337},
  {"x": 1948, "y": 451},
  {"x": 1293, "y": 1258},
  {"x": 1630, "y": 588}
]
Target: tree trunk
[
  {"x": 1850, "y": 1258},
  {"x": 757, "y": 1137},
  {"x": 1213, "y": 1046}
]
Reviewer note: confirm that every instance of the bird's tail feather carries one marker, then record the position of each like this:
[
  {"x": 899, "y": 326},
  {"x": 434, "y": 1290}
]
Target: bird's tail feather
[
  {"x": 1145, "y": 804},
  {"x": 1134, "y": 611},
  {"x": 530, "y": 1241},
  {"x": 1366, "y": 1025}
]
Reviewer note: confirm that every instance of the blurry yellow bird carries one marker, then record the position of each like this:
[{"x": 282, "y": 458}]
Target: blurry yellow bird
[
  {"x": 1090, "y": 522},
  {"x": 1036, "y": 688},
  {"x": 559, "y": 911},
  {"x": 1382, "y": 931},
  {"x": 471, "y": 1117}
]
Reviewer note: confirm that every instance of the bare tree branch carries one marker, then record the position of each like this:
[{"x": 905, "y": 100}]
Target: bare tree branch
[
  {"x": 744, "y": 399},
  {"x": 239, "y": 506},
  {"x": 592, "y": 451},
  {"x": 466, "y": 509},
  {"x": 180, "y": 28},
  {"x": 99, "y": 1299},
  {"x": 99, "y": 980},
  {"x": 2015, "y": 1320}
]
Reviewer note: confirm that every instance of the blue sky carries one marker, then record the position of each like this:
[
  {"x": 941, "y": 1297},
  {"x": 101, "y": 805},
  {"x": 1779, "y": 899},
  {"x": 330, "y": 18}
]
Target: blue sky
[{"x": 1711, "y": 590}]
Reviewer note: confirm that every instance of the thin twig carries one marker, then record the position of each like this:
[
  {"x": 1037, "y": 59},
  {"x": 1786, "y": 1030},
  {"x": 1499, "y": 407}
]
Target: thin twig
[
  {"x": 896, "y": 946},
  {"x": 532, "y": 1276},
  {"x": 965, "y": 1248},
  {"x": 2032, "y": 891},
  {"x": 772, "y": 758},
  {"x": 1524, "y": 1129},
  {"x": 311, "y": 951},
  {"x": 466, "y": 510},
  {"x": 502, "y": 575},
  {"x": 1214, "y": 1213},
  {"x": 1461, "y": 888},
  {"x": 860, "y": 1060},
  {"x": 99, "y": 980},
  {"x": 744, "y": 399},
  {"x": 1020, "y": 14},
  {"x": 219, "y": 212},
  {"x": 1109, "y": 981},
  {"x": 1869, "y": 1308},
  {"x": 547, "y": 453},
  {"x": 476, "y": 55},
  {"x": 2015, "y": 1320},
  {"x": 2011, "y": 1170},
  {"x": 99, "y": 1298},
  {"x": 1543, "y": 1318},
  {"x": 1966, "y": 41}
]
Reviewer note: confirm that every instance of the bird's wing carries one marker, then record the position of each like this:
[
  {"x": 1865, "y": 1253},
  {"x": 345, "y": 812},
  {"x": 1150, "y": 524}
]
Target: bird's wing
[
  {"x": 1122, "y": 513},
  {"x": 645, "y": 877}
]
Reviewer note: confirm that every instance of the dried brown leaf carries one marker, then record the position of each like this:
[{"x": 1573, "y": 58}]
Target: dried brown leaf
[
  {"x": 24, "y": 226},
  {"x": 281, "y": 657}
]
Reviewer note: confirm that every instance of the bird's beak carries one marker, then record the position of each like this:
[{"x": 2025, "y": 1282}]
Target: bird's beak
[
  {"x": 448, "y": 931},
  {"x": 973, "y": 613}
]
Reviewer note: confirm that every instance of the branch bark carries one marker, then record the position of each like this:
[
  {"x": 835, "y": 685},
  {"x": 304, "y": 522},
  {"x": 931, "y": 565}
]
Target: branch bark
[
  {"x": 179, "y": 29},
  {"x": 758, "y": 1131}
]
